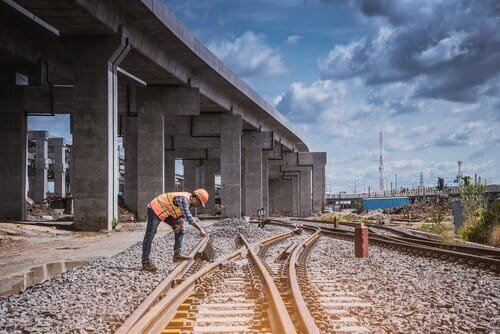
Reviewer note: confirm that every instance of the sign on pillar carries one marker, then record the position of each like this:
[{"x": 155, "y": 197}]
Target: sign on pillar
[{"x": 361, "y": 241}]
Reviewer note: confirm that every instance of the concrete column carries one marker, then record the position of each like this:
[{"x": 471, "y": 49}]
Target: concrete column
[
  {"x": 199, "y": 172},
  {"x": 210, "y": 170},
  {"x": 318, "y": 161},
  {"x": 190, "y": 174},
  {"x": 12, "y": 153},
  {"x": 95, "y": 129},
  {"x": 38, "y": 186},
  {"x": 305, "y": 192},
  {"x": 279, "y": 196},
  {"x": 130, "y": 146},
  {"x": 169, "y": 171},
  {"x": 252, "y": 147},
  {"x": 230, "y": 161},
  {"x": 294, "y": 195},
  {"x": 58, "y": 146},
  {"x": 265, "y": 181},
  {"x": 150, "y": 153}
]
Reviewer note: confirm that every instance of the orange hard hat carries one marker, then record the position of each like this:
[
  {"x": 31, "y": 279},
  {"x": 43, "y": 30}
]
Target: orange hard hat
[{"x": 202, "y": 194}]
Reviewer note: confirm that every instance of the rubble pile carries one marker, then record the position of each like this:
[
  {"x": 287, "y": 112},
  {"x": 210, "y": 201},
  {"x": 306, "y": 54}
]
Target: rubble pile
[
  {"x": 421, "y": 210},
  {"x": 125, "y": 216},
  {"x": 41, "y": 212}
]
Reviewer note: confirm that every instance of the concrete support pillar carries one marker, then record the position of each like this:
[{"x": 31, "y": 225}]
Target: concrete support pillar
[
  {"x": 294, "y": 195},
  {"x": 58, "y": 146},
  {"x": 252, "y": 147},
  {"x": 305, "y": 193},
  {"x": 199, "y": 173},
  {"x": 279, "y": 196},
  {"x": 130, "y": 146},
  {"x": 190, "y": 174},
  {"x": 230, "y": 161},
  {"x": 38, "y": 184},
  {"x": 169, "y": 171},
  {"x": 318, "y": 161},
  {"x": 265, "y": 181},
  {"x": 209, "y": 185},
  {"x": 150, "y": 153},
  {"x": 13, "y": 153},
  {"x": 95, "y": 129}
]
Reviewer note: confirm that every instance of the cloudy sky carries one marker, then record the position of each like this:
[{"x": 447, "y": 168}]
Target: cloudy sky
[{"x": 426, "y": 73}]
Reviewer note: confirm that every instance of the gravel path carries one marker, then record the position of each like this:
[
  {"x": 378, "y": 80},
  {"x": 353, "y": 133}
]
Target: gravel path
[
  {"x": 97, "y": 297},
  {"x": 412, "y": 294}
]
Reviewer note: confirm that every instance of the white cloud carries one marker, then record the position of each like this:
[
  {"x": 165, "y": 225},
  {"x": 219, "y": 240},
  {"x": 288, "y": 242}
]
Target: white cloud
[
  {"x": 293, "y": 39},
  {"x": 444, "y": 50},
  {"x": 249, "y": 55}
]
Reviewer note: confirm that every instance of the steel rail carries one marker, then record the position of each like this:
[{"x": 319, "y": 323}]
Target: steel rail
[
  {"x": 306, "y": 319},
  {"x": 410, "y": 247},
  {"x": 162, "y": 288},
  {"x": 281, "y": 318},
  {"x": 156, "y": 318},
  {"x": 408, "y": 237}
]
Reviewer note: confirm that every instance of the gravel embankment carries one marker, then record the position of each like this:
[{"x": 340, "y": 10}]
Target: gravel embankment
[
  {"x": 411, "y": 294},
  {"x": 98, "y": 297}
]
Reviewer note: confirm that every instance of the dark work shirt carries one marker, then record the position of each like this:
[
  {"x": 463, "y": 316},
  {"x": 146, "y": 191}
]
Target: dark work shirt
[{"x": 183, "y": 203}]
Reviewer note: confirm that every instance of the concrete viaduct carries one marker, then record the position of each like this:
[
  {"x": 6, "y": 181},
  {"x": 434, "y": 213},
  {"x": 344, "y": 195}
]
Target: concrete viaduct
[{"x": 130, "y": 69}]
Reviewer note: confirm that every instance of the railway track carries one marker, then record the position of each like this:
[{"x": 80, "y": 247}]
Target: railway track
[
  {"x": 485, "y": 258},
  {"x": 234, "y": 294},
  {"x": 390, "y": 233},
  {"x": 281, "y": 284}
]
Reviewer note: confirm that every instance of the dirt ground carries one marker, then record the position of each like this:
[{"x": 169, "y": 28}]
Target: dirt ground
[{"x": 24, "y": 246}]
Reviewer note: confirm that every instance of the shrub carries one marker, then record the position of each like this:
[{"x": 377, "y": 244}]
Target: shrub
[{"x": 478, "y": 224}]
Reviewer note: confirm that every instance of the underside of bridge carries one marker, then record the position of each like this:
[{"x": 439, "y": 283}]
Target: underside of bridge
[{"x": 130, "y": 69}]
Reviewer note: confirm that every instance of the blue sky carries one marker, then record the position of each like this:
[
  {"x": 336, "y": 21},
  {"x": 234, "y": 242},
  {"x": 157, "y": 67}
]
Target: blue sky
[{"x": 426, "y": 73}]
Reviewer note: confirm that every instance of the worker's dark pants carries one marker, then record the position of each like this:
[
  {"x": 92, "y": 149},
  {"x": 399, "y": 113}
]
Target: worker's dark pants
[{"x": 151, "y": 228}]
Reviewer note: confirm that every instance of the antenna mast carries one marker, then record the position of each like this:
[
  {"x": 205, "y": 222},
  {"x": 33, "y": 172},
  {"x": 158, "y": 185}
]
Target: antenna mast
[{"x": 381, "y": 166}]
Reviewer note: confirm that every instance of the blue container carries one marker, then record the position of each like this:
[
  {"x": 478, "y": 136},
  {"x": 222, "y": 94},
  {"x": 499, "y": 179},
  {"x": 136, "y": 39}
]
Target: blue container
[{"x": 384, "y": 203}]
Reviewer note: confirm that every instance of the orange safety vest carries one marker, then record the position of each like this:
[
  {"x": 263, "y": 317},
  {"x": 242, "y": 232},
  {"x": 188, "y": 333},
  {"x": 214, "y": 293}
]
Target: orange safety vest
[{"x": 163, "y": 205}]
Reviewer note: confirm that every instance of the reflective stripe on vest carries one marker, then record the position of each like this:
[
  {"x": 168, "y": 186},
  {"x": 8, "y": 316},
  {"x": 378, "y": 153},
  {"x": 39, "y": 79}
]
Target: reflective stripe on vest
[{"x": 163, "y": 205}]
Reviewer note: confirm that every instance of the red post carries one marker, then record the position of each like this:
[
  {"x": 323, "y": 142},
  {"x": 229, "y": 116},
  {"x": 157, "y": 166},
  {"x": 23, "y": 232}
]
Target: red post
[{"x": 361, "y": 241}]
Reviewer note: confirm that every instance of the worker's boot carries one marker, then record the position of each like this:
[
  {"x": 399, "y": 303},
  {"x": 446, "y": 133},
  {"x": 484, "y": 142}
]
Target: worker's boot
[
  {"x": 148, "y": 266},
  {"x": 178, "y": 256}
]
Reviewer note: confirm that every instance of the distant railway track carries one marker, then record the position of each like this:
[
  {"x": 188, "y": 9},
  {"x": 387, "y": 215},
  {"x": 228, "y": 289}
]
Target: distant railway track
[{"x": 485, "y": 258}]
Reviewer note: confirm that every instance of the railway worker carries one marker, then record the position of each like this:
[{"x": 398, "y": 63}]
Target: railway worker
[{"x": 172, "y": 208}]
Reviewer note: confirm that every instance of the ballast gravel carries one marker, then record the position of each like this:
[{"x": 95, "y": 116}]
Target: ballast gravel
[
  {"x": 410, "y": 294},
  {"x": 98, "y": 297}
]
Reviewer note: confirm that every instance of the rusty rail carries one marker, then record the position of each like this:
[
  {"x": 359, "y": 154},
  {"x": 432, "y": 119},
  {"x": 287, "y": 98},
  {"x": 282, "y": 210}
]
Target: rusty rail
[
  {"x": 159, "y": 314},
  {"x": 280, "y": 317},
  {"x": 306, "y": 319},
  {"x": 160, "y": 291}
]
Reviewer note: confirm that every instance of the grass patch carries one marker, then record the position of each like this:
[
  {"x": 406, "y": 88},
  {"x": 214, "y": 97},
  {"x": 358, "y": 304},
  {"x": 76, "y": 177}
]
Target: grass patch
[{"x": 443, "y": 230}]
